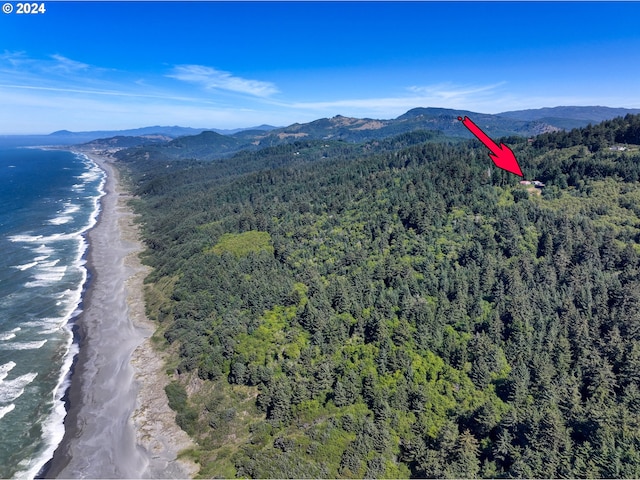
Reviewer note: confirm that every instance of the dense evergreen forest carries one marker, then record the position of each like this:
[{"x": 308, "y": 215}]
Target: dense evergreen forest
[{"x": 400, "y": 308}]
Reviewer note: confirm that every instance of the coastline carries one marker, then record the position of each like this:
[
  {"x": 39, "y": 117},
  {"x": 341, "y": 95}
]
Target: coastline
[{"x": 118, "y": 422}]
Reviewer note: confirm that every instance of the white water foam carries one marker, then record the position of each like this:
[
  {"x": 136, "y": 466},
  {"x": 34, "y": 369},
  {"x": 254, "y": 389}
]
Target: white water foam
[
  {"x": 60, "y": 220},
  {"x": 5, "y": 369},
  {"x": 90, "y": 176},
  {"x": 71, "y": 298},
  {"x": 64, "y": 216},
  {"x": 47, "y": 326},
  {"x": 12, "y": 389},
  {"x": 43, "y": 240},
  {"x": 23, "y": 345},
  {"x": 6, "y": 409},
  {"x": 47, "y": 276},
  {"x": 26, "y": 266},
  {"x": 9, "y": 335},
  {"x": 70, "y": 208},
  {"x": 50, "y": 264},
  {"x": 71, "y": 301},
  {"x": 56, "y": 237},
  {"x": 44, "y": 249},
  {"x": 24, "y": 238}
]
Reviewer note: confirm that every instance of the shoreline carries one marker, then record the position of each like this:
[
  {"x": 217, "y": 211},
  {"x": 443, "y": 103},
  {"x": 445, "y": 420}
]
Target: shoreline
[{"x": 118, "y": 421}]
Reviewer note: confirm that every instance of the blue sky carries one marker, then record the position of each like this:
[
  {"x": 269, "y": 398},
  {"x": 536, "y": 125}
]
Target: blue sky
[{"x": 116, "y": 65}]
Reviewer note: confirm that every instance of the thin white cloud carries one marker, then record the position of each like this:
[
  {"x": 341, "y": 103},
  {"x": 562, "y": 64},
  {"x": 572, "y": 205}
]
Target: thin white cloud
[
  {"x": 67, "y": 65},
  {"x": 448, "y": 91},
  {"x": 20, "y": 63},
  {"x": 390, "y": 107},
  {"x": 446, "y": 95},
  {"x": 67, "y": 110},
  {"x": 211, "y": 78},
  {"x": 380, "y": 105},
  {"x": 112, "y": 93},
  {"x": 14, "y": 59}
]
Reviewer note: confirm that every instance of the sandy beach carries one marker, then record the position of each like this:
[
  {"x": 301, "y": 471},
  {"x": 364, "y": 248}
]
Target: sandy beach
[{"x": 119, "y": 424}]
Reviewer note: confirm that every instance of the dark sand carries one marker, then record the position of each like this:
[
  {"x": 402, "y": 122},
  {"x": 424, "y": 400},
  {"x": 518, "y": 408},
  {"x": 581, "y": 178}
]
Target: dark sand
[{"x": 119, "y": 424}]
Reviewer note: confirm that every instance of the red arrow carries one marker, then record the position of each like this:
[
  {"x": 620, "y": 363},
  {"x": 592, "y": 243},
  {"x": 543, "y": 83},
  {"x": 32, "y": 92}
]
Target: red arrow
[{"x": 501, "y": 155}]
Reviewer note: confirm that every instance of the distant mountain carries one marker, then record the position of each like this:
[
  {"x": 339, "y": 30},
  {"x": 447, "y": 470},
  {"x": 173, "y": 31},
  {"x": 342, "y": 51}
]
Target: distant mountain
[
  {"x": 521, "y": 123},
  {"x": 430, "y": 119},
  {"x": 173, "y": 132},
  {"x": 122, "y": 141},
  {"x": 570, "y": 117},
  {"x": 441, "y": 122},
  {"x": 262, "y": 127},
  {"x": 446, "y": 120}
]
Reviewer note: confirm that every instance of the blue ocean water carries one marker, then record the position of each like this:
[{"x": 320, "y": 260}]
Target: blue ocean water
[{"x": 48, "y": 200}]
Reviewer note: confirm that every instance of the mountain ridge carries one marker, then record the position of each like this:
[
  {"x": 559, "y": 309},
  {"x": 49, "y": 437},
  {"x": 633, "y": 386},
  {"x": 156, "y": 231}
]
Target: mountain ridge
[
  {"x": 211, "y": 144},
  {"x": 347, "y": 129},
  {"x": 593, "y": 114},
  {"x": 172, "y": 131}
]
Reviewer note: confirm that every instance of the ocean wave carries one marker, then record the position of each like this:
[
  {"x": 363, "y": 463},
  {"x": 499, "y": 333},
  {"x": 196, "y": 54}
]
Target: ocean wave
[
  {"x": 64, "y": 216},
  {"x": 23, "y": 345},
  {"x": 49, "y": 272},
  {"x": 70, "y": 208},
  {"x": 51, "y": 330},
  {"x": 5, "y": 369},
  {"x": 26, "y": 266},
  {"x": 37, "y": 323},
  {"x": 39, "y": 284},
  {"x": 71, "y": 299},
  {"x": 90, "y": 176},
  {"x": 48, "y": 326},
  {"x": 50, "y": 264},
  {"x": 9, "y": 335},
  {"x": 47, "y": 276},
  {"x": 24, "y": 238},
  {"x": 12, "y": 389},
  {"x": 44, "y": 239},
  {"x": 94, "y": 169},
  {"x": 69, "y": 307},
  {"x": 43, "y": 249},
  {"x": 61, "y": 220},
  {"x": 6, "y": 409}
]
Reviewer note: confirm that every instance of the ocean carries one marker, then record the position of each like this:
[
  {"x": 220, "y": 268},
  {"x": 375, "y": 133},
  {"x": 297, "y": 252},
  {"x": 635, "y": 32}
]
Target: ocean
[{"x": 48, "y": 201}]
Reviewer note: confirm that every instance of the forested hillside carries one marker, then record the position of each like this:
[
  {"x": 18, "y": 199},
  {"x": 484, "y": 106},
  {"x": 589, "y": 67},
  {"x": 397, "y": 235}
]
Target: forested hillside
[{"x": 400, "y": 308}]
